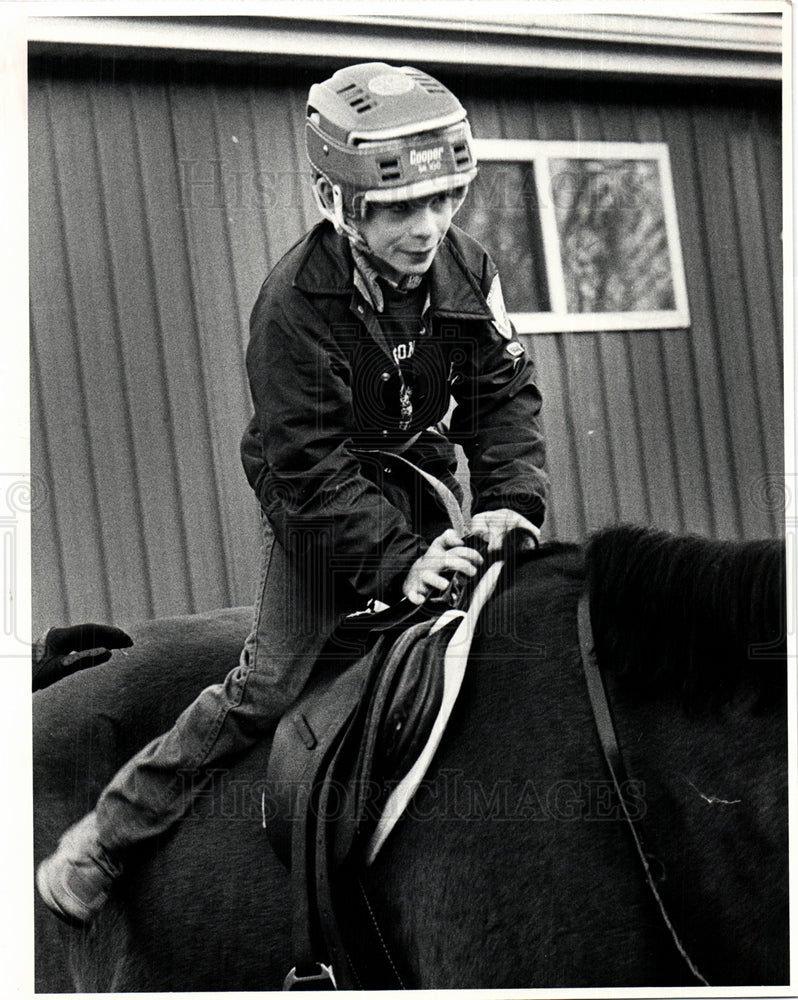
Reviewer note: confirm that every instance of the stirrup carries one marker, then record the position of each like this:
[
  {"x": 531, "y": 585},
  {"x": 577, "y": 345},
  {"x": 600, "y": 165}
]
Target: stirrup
[{"x": 325, "y": 974}]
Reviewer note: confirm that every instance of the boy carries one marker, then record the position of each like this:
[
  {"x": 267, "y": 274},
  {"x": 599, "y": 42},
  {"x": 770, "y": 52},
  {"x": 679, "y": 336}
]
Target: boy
[{"x": 360, "y": 337}]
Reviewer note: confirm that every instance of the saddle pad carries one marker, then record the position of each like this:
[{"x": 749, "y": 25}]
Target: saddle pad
[{"x": 454, "y": 664}]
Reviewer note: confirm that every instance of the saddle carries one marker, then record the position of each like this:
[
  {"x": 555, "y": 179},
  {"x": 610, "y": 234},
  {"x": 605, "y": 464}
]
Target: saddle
[{"x": 347, "y": 758}]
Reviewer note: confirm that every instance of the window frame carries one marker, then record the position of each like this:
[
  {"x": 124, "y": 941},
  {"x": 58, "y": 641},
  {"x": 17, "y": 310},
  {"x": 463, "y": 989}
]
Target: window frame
[{"x": 559, "y": 319}]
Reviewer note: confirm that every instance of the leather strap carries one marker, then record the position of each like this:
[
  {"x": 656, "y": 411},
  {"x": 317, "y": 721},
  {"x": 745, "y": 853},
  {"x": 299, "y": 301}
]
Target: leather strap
[
  {"x": 445, "y": 495},
  {"x": 615, "y": 763},
  {"x": 309, "y": 973}
]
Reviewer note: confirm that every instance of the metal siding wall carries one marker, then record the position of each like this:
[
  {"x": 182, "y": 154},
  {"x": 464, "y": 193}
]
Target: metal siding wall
[
  {"x": 160, "y": 201},
  {"x": 157, "y": 208}
]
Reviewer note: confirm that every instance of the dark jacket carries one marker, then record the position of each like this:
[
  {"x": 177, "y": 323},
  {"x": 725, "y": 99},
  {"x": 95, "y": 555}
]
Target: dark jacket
[{"x": 326, "y": 397}]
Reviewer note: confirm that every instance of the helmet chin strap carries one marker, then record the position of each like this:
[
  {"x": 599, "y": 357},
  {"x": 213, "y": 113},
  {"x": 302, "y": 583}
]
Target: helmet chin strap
[
  {"x": 336, "y": 214},
  {"x": 323, "y": 191}
]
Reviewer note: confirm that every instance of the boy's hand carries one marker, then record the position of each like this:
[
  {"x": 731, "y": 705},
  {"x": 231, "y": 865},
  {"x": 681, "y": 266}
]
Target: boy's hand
[
  {"x": 446, "y": 554},
  {"x": 493, "y": 525}
]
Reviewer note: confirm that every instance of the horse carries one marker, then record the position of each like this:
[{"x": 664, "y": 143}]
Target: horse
[{"x": 514, "y": 865}]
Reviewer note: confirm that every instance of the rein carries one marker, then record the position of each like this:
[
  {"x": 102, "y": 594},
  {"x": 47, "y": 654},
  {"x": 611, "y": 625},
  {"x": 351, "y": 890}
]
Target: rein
[
  {"x": 615, "y": 764},
  {"x": 448, "y": 499}
]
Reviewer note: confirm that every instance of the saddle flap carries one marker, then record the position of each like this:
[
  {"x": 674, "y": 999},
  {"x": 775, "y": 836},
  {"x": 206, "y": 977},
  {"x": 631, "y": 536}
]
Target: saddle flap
[
  {"x": 400, "y": 722},
  {"x": 306, "y": 739},
  {"x": 412, "y": 706}
]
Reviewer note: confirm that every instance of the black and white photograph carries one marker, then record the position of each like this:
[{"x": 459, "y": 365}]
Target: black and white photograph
[{"x": 399, "y": 514}]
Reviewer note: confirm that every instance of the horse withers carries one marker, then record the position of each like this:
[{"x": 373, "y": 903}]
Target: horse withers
[{"x": 514, "y": 866}]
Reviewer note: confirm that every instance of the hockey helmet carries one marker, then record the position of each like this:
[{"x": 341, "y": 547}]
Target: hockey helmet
[{"x": 381, "y": 134}]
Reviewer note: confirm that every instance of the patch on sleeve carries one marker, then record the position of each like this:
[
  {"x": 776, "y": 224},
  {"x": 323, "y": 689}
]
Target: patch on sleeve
[{"x": 496, "y": 305}]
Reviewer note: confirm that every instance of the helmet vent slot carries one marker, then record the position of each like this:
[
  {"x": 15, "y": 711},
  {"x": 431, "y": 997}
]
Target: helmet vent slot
[
  {"x": 462, "y": 157},
  {"x": 428, "y": 83},
  {"x": 390, "y": 170},
  {"x": 357, "y": 98}
]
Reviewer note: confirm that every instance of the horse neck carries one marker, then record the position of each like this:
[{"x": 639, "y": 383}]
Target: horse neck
[
  {"x": 714, "y": 813},
  {"x": 517, "y": 858}
]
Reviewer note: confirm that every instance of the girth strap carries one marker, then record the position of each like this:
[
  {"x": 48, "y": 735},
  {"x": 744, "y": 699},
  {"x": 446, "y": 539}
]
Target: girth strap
[{"x": 614, "y": 759}]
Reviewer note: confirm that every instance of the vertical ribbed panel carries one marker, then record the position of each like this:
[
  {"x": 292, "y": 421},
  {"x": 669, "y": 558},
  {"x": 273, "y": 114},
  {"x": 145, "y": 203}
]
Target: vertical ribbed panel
[
  {"x": 159, "y": 201},
  {"x": 158, "y": 206}
]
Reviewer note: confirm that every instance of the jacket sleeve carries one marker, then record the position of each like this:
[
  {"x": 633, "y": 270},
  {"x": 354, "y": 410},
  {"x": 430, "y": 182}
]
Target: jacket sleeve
[
  {"x": 307, "y": 478},
  {"x": 497, "y": 417}
]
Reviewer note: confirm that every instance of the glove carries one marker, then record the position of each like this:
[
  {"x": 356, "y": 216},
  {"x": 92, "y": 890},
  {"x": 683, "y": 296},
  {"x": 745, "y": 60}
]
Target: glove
[
  {"x": 64, "y": 651},
  {"x": 494, "y": 525}
]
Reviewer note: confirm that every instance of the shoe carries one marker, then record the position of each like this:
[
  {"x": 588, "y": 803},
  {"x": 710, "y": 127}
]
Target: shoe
[{"x": 76, "y": 880}]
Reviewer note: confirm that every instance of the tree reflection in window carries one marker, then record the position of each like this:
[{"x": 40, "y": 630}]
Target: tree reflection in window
[
  {"x": 613, "y": 241},
  {"x": 502, "y": 212}
]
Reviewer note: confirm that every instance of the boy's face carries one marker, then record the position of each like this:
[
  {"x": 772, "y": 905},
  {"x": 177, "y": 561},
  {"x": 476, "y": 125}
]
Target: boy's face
[{"x": 405, "y": 236}]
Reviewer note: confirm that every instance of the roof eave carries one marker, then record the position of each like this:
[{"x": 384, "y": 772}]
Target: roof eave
[{"x": 705, "y": 46}]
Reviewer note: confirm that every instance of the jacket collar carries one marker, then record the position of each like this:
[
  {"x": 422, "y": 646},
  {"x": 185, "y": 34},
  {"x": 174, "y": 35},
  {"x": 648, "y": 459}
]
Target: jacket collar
[
  {"x": 453, "y": 289},
  {"x": 326, "y": 268},
  {"x": 326, "y": 265}
]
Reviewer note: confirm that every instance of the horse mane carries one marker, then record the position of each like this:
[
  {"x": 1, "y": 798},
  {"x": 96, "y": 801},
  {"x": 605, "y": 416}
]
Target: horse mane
[{"x": 702, "y": 619}]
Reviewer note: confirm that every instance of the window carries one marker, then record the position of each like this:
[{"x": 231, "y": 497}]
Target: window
[{"x": 584, "y": 234}]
